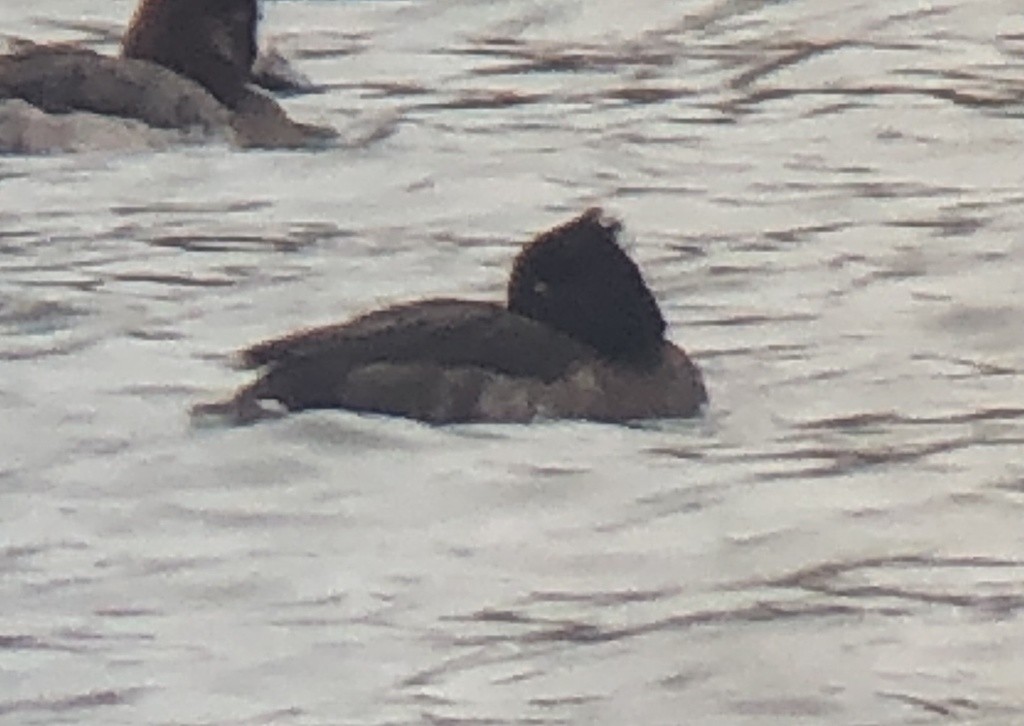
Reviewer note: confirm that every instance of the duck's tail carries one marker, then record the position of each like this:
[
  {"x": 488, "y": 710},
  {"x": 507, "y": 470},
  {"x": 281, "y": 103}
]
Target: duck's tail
[{"x": 243, "y": 409}]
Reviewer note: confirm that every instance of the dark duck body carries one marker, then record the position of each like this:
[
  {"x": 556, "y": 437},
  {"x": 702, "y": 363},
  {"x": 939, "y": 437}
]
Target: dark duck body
[
  {"x": 581, "y": 337},
  {"x": 184, "y": 64}
]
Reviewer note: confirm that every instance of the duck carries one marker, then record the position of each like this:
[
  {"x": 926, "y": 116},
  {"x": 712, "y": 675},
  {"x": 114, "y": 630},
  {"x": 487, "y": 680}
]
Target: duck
[
  {"x": 213, "y": 42},
  {"x": 579, "y": 336},
  {"x": 184, "y": 64}
]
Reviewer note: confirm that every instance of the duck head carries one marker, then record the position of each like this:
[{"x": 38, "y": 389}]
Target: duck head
[{"x": 578, "y": 279}]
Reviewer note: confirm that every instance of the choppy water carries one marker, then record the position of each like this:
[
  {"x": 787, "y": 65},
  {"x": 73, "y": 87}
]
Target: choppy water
[{"x": 826, "y": 197}]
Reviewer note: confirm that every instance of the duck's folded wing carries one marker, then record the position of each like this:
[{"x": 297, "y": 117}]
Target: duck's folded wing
[
  {"x": 431, "y": 333},
  {"x": 66, "y": 78}
]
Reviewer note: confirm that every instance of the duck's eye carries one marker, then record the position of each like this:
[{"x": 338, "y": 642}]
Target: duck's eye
[{"x": 540, "y": 288}]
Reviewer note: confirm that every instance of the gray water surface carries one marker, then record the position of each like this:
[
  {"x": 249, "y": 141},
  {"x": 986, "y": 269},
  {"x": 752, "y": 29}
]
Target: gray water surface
[{"x": 826, "y": 197}]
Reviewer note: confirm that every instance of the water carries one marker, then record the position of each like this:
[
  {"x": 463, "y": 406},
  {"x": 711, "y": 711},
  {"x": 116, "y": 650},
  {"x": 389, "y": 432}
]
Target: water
[{"x": 826, "y": 198}]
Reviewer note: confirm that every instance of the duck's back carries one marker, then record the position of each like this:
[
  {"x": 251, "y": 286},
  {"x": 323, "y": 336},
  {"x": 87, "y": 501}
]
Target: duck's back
[
  {"x": 430, "y": 360},
  {"x": 63, "y": 78}
]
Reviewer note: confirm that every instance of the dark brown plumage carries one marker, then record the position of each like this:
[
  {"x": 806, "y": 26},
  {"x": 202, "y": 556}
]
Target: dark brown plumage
[
  {"x": 581, "y": 337},
  {"x": 210, "y": 41},
  {"x": 577, "y": 279}
]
